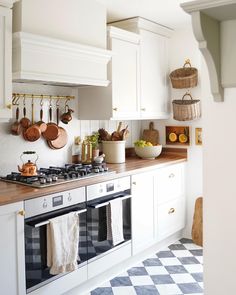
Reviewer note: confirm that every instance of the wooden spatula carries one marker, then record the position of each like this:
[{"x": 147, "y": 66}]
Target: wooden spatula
[{"x": 151, "y": 134}]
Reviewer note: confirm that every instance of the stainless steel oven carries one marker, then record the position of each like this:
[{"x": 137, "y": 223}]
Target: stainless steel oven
[
  {"x": 98, "y": 198},
  {"x": 38, "y": 212}
]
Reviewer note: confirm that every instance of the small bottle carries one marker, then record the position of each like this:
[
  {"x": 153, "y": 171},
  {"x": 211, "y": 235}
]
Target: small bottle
[
  {"x": 76, "y": 150},
  {"x": 84, "y": 152}
]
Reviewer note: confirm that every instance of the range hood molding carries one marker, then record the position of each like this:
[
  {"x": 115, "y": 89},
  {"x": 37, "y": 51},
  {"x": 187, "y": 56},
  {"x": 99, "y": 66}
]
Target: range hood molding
[
  {"x": 209, "y": 19},
  {"x": 46, "y": 60}
]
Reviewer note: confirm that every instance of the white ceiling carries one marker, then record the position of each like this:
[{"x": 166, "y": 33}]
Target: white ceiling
[{"x": 165, "y": 12}]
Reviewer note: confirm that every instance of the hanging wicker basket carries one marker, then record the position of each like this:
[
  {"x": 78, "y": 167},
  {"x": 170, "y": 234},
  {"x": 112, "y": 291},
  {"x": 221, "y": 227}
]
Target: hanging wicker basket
[
  {"x": 186, "y": 77},
  {"x": 186, "y": 110}
]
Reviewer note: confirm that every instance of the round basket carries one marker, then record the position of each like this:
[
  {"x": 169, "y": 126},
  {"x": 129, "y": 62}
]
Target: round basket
[
  {"x": 186, "y": 110},
  {"x": 185, "y": 77}
]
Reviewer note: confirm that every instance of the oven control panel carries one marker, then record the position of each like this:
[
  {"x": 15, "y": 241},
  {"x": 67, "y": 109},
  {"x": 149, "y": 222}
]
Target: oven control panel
[
  {"x": 52, "y": 202},
  {"x": 107, "y": 188}
]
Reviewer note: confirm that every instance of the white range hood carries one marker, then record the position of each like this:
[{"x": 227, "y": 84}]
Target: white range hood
[{"x": 60, "y": 43}]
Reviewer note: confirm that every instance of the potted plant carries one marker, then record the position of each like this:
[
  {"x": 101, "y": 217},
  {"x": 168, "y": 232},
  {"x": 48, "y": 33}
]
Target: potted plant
[{"x": 93, "y": 139}]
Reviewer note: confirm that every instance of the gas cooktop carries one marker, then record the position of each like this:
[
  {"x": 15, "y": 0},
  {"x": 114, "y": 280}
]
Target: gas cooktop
[{"x": 58, "y": 175}]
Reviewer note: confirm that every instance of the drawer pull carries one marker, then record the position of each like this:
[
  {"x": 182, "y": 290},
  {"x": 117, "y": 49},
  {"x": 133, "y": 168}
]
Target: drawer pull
[
  {"x": 171, "y": 175},
  {"x": 143, "y": 109},
  {"x": 171, "y": 211},
  {"x": 115, "y": 109},
  {"x": 134, "y": 182}
]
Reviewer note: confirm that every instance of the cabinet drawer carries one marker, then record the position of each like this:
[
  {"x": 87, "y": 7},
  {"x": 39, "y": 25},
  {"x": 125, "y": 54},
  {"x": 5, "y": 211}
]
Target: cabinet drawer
[
  {"x": 170, "y": 218},
  {"x": 169, "y": 183}
]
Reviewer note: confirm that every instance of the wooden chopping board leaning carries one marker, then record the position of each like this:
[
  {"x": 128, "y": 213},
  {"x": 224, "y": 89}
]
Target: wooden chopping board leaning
[{"x": 151, "y": 134}]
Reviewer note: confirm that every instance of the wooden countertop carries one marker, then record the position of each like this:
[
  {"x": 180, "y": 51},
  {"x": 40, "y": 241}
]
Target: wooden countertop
[{"x": 11, "y": 193}]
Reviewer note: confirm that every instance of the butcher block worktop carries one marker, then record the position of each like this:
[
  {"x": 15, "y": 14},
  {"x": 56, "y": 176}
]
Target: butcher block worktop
[{"x": 11, "y": 192}]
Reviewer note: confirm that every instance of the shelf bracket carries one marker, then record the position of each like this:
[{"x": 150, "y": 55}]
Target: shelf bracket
[{"x": 207, "y": 33}]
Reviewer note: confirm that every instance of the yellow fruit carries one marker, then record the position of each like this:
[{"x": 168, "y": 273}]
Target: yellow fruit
[
  {"x": 183, "y": 138},
  {"x": 172, "y": 137},
  {"x": 149, "y": 144}
]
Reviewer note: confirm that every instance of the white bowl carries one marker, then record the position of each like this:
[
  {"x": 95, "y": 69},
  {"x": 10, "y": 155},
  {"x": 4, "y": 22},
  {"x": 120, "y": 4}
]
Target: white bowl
[{"x": 148, "y": 152}]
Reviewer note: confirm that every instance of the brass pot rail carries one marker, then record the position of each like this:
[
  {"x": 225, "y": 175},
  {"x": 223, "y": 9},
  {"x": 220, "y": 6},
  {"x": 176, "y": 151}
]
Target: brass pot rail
[{"x": 17, "y": 96}]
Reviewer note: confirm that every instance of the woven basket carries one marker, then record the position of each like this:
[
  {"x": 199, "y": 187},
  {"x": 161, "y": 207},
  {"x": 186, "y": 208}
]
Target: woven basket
[
  {"x": 186, "y": 110},
  {"x": 185, "y": 77}
]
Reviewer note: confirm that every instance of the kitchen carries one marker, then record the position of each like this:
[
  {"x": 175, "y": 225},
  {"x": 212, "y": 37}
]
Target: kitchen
[{"x": 78, "y": 34}]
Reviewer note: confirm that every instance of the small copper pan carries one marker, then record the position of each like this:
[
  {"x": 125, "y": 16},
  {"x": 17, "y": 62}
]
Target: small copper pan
[
  {"x": 52, "y": 131},
  {"x": 42, "y": 125},
  {"x": 25, "y": 122},
  {"x": 33, "y": 133}
]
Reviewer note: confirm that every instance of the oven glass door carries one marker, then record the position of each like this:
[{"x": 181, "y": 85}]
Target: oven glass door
[
  {"x": 97, "y": 225},
  {"x": 37, "y": 272}
]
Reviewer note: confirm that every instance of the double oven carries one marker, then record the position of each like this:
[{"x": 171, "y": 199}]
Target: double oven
[{"x": 90, "y": 204}]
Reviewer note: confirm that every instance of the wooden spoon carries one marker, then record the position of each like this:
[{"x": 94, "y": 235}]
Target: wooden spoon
[{"x": 16, "y": 126}]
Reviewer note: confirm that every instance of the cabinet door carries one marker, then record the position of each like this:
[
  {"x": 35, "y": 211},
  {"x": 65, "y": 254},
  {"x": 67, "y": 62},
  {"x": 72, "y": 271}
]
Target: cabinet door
[
  {"x": 5, "y": 63},
  {"x": 154, "y": 74},
  {"x": 142, "y": 212},
  {"x": 12, "y": 270},
  {"x": 125, "y": 93}
]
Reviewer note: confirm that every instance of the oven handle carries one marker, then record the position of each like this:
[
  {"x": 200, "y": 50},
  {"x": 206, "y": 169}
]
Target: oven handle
[
  {"x": 107, "y": 202},
  {"x": 47, "y": 221}
]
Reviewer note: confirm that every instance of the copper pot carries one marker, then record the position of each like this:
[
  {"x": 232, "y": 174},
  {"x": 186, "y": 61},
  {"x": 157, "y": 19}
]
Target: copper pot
[{"x": 67, "y": 116}]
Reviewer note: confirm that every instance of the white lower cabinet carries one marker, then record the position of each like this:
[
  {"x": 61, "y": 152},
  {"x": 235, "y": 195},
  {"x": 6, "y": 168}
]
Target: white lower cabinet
[
  {"x": 142, "y": 211},
  {"x": 170, "y": 218},
  {"x": 12, "y": 270}
]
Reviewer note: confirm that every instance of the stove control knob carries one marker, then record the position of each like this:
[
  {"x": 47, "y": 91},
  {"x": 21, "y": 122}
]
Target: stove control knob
[
  {"x": 101, "y": 169},
  {"x": 42, "y": 180},
  {"x": 48, "y": 179},
  {"x": 106, "y": 169},
  {"x": 45, "y": 204},
  {"x": 96, "y": 170}
]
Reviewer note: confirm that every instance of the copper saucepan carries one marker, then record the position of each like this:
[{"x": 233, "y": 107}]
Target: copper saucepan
[
  {"x": 33, "y": 133},
  {"x": 52, "y": 131},
  {"x": 25, "y": 122}
]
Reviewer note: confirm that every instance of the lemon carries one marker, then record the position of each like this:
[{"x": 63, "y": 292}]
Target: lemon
[
  {"x": 149, "y": 143},
  {"x": 172, "y": 137},
  {"x": 183, "y": 138}
]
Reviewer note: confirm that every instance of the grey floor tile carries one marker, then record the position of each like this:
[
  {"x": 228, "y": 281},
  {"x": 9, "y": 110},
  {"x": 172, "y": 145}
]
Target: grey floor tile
[
  {"x": 121, "y": 281},
  {"x": 177, "y": 247},
  {"x": 162, "y": 279},
  {"x": 185, "y": 241},
  {"x": 137, "y": 271},
  {"x": 190, "y": 288},
  {"x": 172, "y": 269},
  {"x": 102, "y": 291},
  {"x": 146, "y": 290},
  {"x": 198, "y": 276},
  {"x": 165, "y": 254},
  {"x": 152, "y": 262},
  {"x": 188, "y": 260},
  {"x": 197, "y": 252}
]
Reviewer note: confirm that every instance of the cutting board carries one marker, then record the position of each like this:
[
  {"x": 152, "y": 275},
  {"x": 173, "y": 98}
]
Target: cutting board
[
  {"x": 151, "y": 134},
  {"x": 197, "y": 222}
]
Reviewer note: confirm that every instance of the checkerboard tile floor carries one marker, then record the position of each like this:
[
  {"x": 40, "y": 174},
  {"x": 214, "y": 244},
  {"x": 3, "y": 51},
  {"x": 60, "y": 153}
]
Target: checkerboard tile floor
[{"x": 175, "y": 270}]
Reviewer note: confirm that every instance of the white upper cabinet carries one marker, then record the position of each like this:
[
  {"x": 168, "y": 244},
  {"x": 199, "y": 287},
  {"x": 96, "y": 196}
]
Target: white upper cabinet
[
  {"x": 154, "y": 67},
  {"x": 5, "y": 61},
  {"x": 120, "y": 100}
]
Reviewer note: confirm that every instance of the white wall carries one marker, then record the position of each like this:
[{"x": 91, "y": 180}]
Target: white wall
[
  {"x": 11, "y": 146},
  {"x": 183, "y": 46},
  {"x": 219, "y": 162}
]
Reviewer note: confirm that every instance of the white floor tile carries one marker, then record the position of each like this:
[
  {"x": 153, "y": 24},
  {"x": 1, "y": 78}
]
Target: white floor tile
[
  {"x": 106, "y": 284},
  {"x": 170, "y": 261},
  {"x": 124, "y": 291},
  {"x": 193, "y": 268},
  {"x": 182, "y": 278},
  {"x": 182, "y": 253},
  {"x": 192, "y": 246},
  {"x": 168, "y": 289},
  {"x": 156, "y": 270},
  {"x": 141, "y": 281},
  {"x": 123, "y": 274},
  {"x": 200, "y": 259}
]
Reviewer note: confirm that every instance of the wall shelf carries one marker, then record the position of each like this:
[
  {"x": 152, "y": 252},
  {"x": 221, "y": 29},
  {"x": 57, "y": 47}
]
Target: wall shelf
[{"x": 214, "y": 23}]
